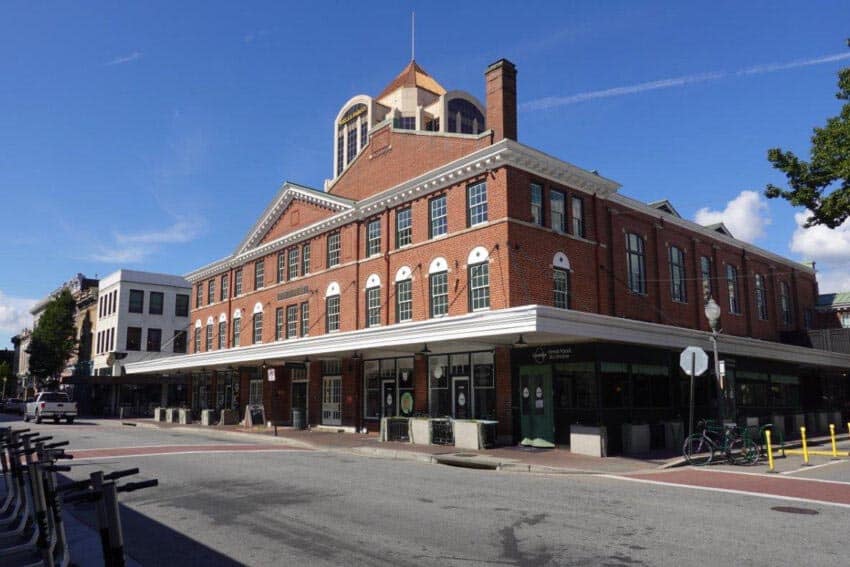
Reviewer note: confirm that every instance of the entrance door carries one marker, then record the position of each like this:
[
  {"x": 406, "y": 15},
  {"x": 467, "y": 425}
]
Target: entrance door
[
  {"x": 538, "y": 425},
  {"x": 299, "y": 397},
  {"x": 461, "y": 399},
  {"x": 389, "y": 401},
  {"x": 331, "y": 414}
]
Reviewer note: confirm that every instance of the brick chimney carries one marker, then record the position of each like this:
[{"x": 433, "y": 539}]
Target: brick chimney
[{"x": 500, "y": 79}]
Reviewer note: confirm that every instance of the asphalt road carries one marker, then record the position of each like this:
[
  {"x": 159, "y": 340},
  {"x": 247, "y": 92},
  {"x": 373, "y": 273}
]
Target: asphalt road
[{"x": 294, "y": 507}]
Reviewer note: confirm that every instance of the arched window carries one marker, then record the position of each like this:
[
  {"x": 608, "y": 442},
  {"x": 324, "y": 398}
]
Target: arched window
[
  {"x": 352, "y": 124},
  {"x": 438, "y": 287},
  {"x": 235, "y": 331},
  {"x": 561, "y": 281},
  {"x": 332, "y": 308},
  {"x": 258, "y": 324},
  {"x": 636, "y": 262},
  {"x": 732, "y": 286},
  {"x": 785, "y": 303},
  {"x": 479, "y": 278},
  {"x": 197, "y": 337},
  {"x": 464, "y": 117},
  {"x": 678, "y": 291},
  {"x": 761, "y": 304},
  {"x": 373, "y": 300},
  {"x": 209, "y": 341},
  {"x": 403, "y": 295}
]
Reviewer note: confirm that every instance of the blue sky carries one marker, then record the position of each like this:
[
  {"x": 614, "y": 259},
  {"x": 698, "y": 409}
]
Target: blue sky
[{"x": 151, "y": 135}]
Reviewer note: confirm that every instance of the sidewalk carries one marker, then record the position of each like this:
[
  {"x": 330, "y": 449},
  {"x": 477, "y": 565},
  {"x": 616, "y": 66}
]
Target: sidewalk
[{"x": 509, "y": 459}]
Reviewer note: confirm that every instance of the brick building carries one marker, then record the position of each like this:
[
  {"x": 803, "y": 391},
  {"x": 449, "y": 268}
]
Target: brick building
[{"x": 448, "y": 269}]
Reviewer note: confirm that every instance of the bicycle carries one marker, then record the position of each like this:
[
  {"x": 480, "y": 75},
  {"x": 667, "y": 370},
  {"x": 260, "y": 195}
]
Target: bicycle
[{"x": 699, "y": 448}]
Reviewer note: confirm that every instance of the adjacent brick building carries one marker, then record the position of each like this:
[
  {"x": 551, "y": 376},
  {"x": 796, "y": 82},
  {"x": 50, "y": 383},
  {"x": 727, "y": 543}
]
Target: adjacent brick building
[{"x": 448, "y": 269}]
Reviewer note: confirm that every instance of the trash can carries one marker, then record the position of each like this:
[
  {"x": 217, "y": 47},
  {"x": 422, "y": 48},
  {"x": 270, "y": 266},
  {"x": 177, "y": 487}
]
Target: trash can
[{"x": 298, "y": 418}]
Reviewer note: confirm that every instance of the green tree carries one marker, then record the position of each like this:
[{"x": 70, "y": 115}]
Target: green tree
[
  {"x": 53, "y": 339},
  {"x": 821, "y": 184}
]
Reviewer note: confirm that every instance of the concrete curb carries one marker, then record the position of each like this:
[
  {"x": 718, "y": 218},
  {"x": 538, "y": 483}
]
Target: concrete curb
[{"x": 188, "y": 429}]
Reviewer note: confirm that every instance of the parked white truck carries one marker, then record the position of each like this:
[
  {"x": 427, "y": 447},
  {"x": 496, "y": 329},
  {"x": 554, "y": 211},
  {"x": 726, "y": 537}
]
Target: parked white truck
[{"x": 51, "y": 405}]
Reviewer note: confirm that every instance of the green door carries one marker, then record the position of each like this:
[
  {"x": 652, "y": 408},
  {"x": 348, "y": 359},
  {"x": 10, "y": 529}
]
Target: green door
[{"x": 537, "y": 421}]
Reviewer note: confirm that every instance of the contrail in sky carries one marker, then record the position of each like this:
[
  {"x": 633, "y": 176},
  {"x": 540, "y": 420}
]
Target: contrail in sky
[{"x": 555, "y": 101}]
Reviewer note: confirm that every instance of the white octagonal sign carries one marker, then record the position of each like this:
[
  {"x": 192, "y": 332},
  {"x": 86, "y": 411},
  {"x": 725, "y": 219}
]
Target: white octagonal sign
[{"x": 693, "y": 357}]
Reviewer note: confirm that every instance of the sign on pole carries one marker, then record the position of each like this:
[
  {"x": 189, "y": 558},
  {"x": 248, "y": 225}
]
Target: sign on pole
[{"x": 693, "y": 361}]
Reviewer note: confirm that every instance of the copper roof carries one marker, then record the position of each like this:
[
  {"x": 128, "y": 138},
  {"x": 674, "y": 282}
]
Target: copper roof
[{"x": 413, "y": 76}]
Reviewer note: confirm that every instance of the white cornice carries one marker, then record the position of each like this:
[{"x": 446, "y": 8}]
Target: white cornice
[
  {"x": 709, "y": 233},
  {"x": 537, "y": 323}
]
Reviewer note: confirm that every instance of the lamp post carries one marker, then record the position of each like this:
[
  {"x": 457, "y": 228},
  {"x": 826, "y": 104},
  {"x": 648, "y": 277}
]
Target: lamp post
[{"x": 712, "y": 313}]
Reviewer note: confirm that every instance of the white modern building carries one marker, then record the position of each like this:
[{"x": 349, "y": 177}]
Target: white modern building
[{"x": 141, "y": 316}]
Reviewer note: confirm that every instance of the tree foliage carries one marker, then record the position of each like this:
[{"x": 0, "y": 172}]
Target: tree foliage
[
  {"x": 821, "y": 184},
  {"x": 6, "y": 379},
  {"x": 54, "y": 337}
]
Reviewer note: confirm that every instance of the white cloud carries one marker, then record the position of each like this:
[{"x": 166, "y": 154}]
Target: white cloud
[
  {"x": 554, "y": 101},
  {"x": 135, "y": 56},
  {"x": 136, "y": 247},
  {"x": 746, "y": 216},
  {"x": 829, "y": 247},
  {"x": 181, "y": 231},
  {"x": 14, "y": 313}
]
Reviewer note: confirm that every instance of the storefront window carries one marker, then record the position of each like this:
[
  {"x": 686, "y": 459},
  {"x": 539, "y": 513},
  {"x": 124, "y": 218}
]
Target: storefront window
[
  {"x": 372, "y": 382},
  {"x": 650, "y": 385},
  {"x": 406, "y": 391},
  {"x": 484, "y": 385},
  {"x": 438, "y": 385},
  {"x": 201, "y": 392},
  {"x": 751, "y": 388},
  {"x": 574, "y": 386},
  {"x": 614, "y": 378},
  {"x": 255, "y": 391},
  {"x": 785, "y": 390}
]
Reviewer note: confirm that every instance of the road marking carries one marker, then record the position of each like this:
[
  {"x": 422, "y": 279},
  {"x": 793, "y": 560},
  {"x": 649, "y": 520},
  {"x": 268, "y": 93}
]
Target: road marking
[
  {"x": 140, "y": 455},
  {"x": 769, "y": 475},
  {"x": 726, "y": 490},
  {"x": 116, "y": 452},
  {"x": 813, "y": 467}
]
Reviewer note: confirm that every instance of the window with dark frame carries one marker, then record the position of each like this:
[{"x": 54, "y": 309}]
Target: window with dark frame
[
  {"x": 785, "y": 303},
  {"x": 439, "y": 284},
  {"x": 636, "y": 263},
  {"x": 259, "y": 274},
  {"x": 557, "y": 212},
  {"x": 373, "y": 306},
  {"x": 292, "y": 321},
  {"x": 732, "y": 286},
  {"x": 332, "y": 313},
  {"x": 404, "y": 300},
  {"x": 373, "y": 237},
  {"x": 137, "y": 301},
  {"x": 678, "y": 289},
  {"x": 761, "y": 303},
  {"x": 333, "y": 249},
  {"x": 476, "y": 204},
  {"x": 437, "y": 217},
  {"x": 479, "y": 286},
  {"x": 154, "y": 340},
  {"x": 181, "y": 305},
  {"x": 403, "y": 227},
  {"x": 561, "y": 288},
  {"x": 305, "y": 318},
  {"x": 705, "y": 276},
  {"x": 537, "y": 204},
  {"x": 156, "y": 303},
  {"x": 134, "y": 338},
  {"x": 178, "y": 343},
  {"x": 577, "y": 214}
]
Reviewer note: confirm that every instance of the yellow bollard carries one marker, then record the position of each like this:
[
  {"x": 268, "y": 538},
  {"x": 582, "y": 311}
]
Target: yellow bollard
[
  {"x": 832, "y": 437},
  {"x": 805, "y": 446},
  {"x": 769, "y": 451}
]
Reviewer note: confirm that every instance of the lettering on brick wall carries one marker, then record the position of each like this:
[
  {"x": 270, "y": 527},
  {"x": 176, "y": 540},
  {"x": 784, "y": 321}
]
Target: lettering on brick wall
[{"x": 293, "y": 292}]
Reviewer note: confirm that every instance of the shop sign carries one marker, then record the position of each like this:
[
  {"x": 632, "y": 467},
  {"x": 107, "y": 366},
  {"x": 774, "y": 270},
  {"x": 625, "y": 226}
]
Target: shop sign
[
  {"x": 271, "y": 375},
  {"x": 552, "y": 354},
  {"x": 406, "y": 403}
]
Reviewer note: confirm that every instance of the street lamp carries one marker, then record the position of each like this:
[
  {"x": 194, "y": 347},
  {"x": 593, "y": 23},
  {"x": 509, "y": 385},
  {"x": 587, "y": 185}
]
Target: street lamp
[{"x": 712, "y": 313}]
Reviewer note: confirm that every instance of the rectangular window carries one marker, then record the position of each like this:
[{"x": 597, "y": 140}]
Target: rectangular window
[
  {"x": 237, "y": 286},
  {"x": 157, "y": 299},
  {"x": 293, "y": 263},
  {"x": 476, "y": 204},
  {"x": 258, "y": 328},
  {"x": 785, "y": 303},
  {"x": 557, "y": 215},
  {"x": 134, "y": 338},
  {"x": 211, "y": 291},
  {"x": 439, "y": 284},
  {"x": 237, "y": 324},
  {"x": 178, "y": 344},
  {"x": 636, "y": 263},
  {"x": 404, "y": 301},
  {"x": 364, "y": 132},
  {"x": 373, "y": 306},
  {"x": 479, "y": 286},
  {"x": 333, "y": 249},
  {"x": 678, "y": 291},
  {"x": 373, "y": 237},
  {"x": 259, "y": 274},
  {"x": 438, "y": 222},
  {"x": 278, "y": 323},
  {"x": 181, "y": 305},
  {"x": 537, "y": 204},
  {"x": 305, "y": 259},
  {"x": 209, "y": 337},
  {"x": 281, "y": 266},
  {"x": 137, "y": 301},
  {"x": 305, "y": 319},
  {"x": 291, "y": 321},
  {"x": 705, "y": 276},
  {"x": 761, "y": 304},
  {"x": 197, "y": 340},
  {"x": 732, "y": 285},
  {"x": 352, "y": 143},
  {"x": 339, "y": 152},
  {"x": 255, "y": 391},
  {"x": 561, "y": 288},
  {"x": 332, "y": 313},
  {"x": 222, "y": 334},
  {"x": 199, "y": 295},
  {"x": 403, "y": 228},
  {"x": 577, "y": 214},
  {"x": 225, "y": 281},
  {"x": 154, "y": 340}
]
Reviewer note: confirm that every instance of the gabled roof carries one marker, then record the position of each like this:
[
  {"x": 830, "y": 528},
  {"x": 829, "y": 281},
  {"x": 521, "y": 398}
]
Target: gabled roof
[
  {"x": 413, "y": 76},
  {"x": 834, "y": 300},
  {"x": 719, "y": 227},
  {"x": 287, "y": 193},
  {"x": 666, "y": 206}
]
